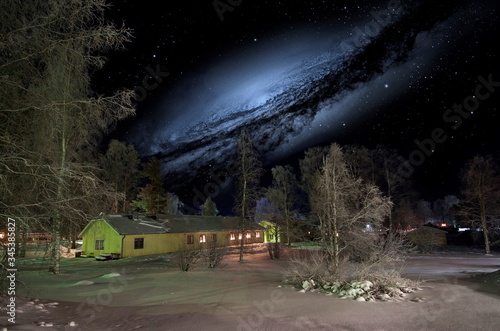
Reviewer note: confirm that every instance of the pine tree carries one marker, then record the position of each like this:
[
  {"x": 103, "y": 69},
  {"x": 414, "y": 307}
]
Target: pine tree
[
  {"x": 209, "y": 208},
  {"x": 120, "y": 167},
  {"x": 152, "y": 198}
]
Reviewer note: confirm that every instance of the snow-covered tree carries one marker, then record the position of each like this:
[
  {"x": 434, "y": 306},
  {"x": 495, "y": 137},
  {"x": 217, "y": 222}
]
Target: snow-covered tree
[
  {"x": 346, "y": 208},
  {"x": 51, "y": 118}
]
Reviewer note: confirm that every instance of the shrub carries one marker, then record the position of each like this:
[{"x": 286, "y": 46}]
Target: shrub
[
  {"x": 275, "y": 250},
  {"x": 365, "y": 277},
  {"x": 214, "y": 256},
  {"x": 187, "y": 258}
]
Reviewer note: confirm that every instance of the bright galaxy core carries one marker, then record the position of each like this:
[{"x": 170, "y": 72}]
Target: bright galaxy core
[{"x": 298, "y": 89}]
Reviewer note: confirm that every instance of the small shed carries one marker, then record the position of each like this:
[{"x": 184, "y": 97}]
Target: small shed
[{"x": 127, "y": 235}]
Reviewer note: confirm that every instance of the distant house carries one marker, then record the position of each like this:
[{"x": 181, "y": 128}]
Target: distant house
[
  {"x": 31, "y": 237},
  {"x": 137, "y": 235}
]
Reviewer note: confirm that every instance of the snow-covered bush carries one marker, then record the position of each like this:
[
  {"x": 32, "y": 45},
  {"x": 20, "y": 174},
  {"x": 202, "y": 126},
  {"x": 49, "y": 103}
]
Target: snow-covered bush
[
  {"x": 358, "y": 281},
  {"x": 308, "y": 265}
]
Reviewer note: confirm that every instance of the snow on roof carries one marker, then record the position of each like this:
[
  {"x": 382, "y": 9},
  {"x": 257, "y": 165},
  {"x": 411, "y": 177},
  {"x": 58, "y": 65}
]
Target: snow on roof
[{"x": 126, "y": 224}]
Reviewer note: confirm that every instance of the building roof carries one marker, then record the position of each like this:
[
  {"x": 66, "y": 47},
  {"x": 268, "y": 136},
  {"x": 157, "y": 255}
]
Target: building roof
[{"x": 126, "y": 224}]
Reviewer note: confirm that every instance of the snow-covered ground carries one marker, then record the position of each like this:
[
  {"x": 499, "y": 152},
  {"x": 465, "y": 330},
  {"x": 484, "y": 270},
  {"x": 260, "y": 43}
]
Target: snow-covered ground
[{"x": 150, "y": 293}]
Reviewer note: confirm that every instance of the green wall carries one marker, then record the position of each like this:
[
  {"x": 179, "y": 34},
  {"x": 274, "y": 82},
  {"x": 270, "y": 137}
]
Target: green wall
[{"x": 97, "y": 230}]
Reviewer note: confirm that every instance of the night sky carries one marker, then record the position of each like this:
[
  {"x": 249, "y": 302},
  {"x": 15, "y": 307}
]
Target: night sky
[{"x": 304, "y": 73}]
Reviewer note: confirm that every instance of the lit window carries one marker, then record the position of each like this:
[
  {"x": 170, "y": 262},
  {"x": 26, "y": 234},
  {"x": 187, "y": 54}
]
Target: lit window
[
  {"x": 138, "y": 243},
  {"x": 249, "y": 235},
  {"x": 99, "y": 244},
  {"x": 240, "y": 236},
  {"x": 257, "y": 234},
  {"x": 190, "y": 239},
  {"x": 202, "y": 238},
  {"x": 213, "y": 237},
  {"x": 232, "y": 237}
]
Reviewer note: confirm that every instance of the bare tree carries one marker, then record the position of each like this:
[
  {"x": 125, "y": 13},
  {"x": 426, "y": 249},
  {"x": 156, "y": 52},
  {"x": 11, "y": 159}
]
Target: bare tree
[
  {"x": 480, "y": 202},
  {"x": 48, "y": 51},
  {"x": 350, "y": 212},
  {"x": 282, "y": 194},
  {"x": 248, "y": 179}
]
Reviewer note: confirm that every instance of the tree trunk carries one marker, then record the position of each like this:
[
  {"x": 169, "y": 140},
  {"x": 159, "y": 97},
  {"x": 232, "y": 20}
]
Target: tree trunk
[
  {"x": 485, "y": 230},
  {"x": 243, "y": 214},
  {"x": 115, "y": 203},
  {"x": 24, "y": 235},
  {"x": 124, "y": 202},
  {"x": 55, "y": 259},
  {"x": 287, "y": 229},
  {"x": 72, "y": 237},
  {"x": 389, "y": 189},
  {"x": 55, "y": 252}
]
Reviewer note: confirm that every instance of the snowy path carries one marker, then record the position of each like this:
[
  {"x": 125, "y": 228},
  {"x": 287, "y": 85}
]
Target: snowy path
[{"x": 153, "y": 295}]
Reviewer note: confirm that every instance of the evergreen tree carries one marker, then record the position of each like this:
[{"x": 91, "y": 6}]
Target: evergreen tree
[
  {"x": 120, "y": 167},
  {"x": 209, "y": 208},
  {"x": 152, "y": 198}
]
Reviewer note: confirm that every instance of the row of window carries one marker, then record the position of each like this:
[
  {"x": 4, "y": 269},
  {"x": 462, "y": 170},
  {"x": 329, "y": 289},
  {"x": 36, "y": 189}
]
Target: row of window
[
  {"x": 203, "y": 238},
  {"x": 139, "y": 242},
  {"x": 248, "y": 236},
  {"x": 213, "y": 237}
]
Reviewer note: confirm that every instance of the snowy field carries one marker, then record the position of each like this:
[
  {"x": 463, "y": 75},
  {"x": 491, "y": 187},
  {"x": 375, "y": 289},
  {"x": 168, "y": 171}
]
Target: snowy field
[{"x": 150, "y": 293}]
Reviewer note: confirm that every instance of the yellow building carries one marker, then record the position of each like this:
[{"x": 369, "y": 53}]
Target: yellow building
[{"x": 137, "y": 235}]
